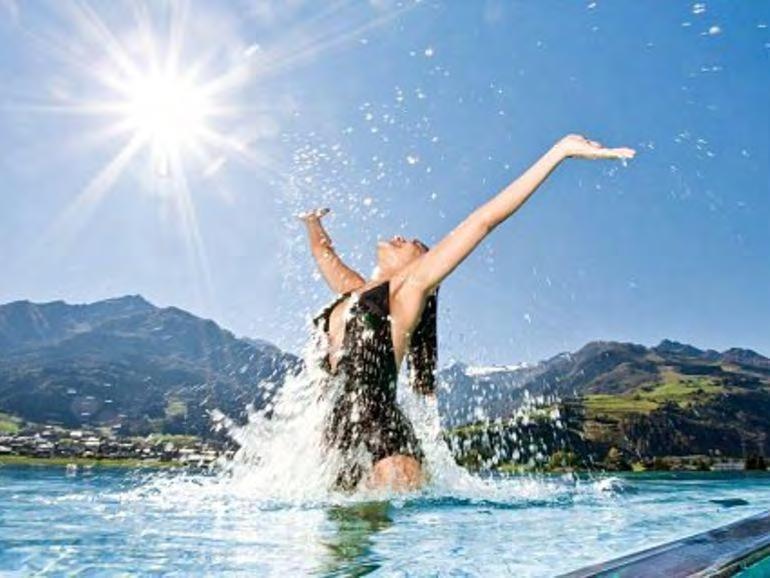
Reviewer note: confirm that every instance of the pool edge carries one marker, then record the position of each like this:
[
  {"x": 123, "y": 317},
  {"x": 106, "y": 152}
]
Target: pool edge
[{"x": 720, "y": 552}]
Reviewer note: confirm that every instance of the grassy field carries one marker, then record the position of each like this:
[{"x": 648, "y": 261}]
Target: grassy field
[
  {"x": 176, "y": 439},
  {"x": 175, "y": 407},
  {"x": 85, "y": 462},
  {"x": 675, "y": 388},
  {"x": 536, "y": 415},
  {"x": 617, "y": 404},
  {"x": 9, "y": 424}
]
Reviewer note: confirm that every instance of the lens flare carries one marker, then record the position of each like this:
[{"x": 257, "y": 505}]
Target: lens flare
[
  {"x": 179, "y": 91},
  {"x": 169, "y": 112}
]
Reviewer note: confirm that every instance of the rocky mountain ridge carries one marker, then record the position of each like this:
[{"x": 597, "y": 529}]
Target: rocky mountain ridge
[{"x": 129, "y": 365}]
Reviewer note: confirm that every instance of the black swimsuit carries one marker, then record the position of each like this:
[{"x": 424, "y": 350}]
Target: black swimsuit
[{"x": 364, "y": 413}]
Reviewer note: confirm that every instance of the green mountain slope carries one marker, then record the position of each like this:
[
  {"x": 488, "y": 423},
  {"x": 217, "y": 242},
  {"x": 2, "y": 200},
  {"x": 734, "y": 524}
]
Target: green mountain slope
[
  {"x": 668, "y": 400},
  {"x": 130, "y": 365}
]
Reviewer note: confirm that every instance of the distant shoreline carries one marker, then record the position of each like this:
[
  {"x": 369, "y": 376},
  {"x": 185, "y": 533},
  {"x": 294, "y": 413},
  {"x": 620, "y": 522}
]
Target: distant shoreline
[
  {"x": 14, "y": 460},
  {"x": 519, "y": 471},
  {"x": 133, "y": 463}
]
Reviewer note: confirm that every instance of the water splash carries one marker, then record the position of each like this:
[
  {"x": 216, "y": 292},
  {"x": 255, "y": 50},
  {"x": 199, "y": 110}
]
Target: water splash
[
  {"x": 281, "y": 460},
  {"x": 282, "y": 455}
]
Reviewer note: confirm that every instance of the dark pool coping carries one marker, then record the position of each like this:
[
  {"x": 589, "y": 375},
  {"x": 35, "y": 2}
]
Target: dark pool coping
[{"x": 720, "y": 552}]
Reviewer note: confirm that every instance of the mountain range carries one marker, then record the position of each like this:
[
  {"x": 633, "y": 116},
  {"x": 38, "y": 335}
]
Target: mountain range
[
  {"x": 128, "y": 364},
  {"x": 598, "y": 368},
  {"x": 672, "y": 399},
  {"x": 138, "y": 368}
]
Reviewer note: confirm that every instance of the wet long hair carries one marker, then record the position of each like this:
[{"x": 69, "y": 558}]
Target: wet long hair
[{"x": 422, "y": 355}]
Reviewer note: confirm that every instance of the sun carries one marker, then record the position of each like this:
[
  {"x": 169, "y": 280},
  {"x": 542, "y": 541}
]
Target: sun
[
  {"x": 169, "y": 112},
  {"x": 167, "y": 81},
  {"x": 173, "y": 96}
]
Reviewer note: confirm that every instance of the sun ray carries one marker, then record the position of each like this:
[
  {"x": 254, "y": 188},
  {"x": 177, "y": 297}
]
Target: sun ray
[
  {"x": 77, "y": 212},
  {"x": 94, "y": 28},
  {"x": 247, "y": 69},
  {"x": 176, "y": 34},
  {"x": 327, "y": 40},
  {"x": 185, "y": 208},
  {"x": 289, "y": 54},
  {"x": 258, "y": 159},
  {"x": 174, "y": 102}
]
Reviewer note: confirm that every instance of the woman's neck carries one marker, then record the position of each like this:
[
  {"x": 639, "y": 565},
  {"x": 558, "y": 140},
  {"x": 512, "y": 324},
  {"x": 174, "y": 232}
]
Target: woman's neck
[
  {"x": 380, "y": 274},
  {"x": 377, "y": 275}
]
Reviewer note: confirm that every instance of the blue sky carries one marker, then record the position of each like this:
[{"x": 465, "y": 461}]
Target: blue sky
[{"x": 402, "y": 117}]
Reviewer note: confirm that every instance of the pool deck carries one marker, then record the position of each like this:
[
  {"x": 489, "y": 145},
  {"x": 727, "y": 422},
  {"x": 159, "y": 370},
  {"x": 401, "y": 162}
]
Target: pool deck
[{"x": 723, "y": 551}]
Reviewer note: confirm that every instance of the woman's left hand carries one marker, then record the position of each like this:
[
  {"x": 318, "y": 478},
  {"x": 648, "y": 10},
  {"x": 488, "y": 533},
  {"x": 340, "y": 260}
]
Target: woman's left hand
[{"x": 578, "y": 146}]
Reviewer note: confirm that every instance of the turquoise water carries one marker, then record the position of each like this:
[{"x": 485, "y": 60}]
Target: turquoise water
[
  {"x": 759, "y": 569},
  {"x": 111, "y": 521}
]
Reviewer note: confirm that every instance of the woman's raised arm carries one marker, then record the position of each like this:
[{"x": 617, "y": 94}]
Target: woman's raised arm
[
  {"x": 338, "y": 276},
  {"x": 429, "y": 270}
]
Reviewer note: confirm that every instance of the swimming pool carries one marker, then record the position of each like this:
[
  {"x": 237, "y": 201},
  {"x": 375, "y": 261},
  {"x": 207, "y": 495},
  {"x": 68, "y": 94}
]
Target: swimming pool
[
  {"x": 736, "y": 549},
  {"x": 111, "y": 521},
  {"x": 758, "y": 569}
]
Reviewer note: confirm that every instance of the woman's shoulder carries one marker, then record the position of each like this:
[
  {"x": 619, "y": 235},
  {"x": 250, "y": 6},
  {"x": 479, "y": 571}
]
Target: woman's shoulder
[
  {"x": 408, "y": 301},
  {"x": 327, "y": 308}
]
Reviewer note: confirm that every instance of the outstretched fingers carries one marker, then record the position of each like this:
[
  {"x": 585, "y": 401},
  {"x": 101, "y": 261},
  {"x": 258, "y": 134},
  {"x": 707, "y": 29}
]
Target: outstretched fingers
[
  {"x": 616, "y": 153},
  {"x": 595, "y": 149},
  {"x": 576, "y": 145},
  {"x": 313, "y": 214}
]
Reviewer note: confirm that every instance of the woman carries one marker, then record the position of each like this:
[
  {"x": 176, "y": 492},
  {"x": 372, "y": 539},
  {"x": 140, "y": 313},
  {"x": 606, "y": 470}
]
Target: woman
[{"x": 375, "y": 324}]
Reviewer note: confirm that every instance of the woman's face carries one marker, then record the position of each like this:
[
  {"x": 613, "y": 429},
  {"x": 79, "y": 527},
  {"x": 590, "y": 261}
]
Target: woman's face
[{"x": 397, "y": 252}]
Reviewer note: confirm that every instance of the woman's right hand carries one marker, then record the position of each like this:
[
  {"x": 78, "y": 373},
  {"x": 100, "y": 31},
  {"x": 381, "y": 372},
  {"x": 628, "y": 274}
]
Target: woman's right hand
[{"x": 313, "y": 215}]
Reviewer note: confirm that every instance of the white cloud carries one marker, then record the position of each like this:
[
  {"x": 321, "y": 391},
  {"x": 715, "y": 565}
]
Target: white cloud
[
  {"x": 494, "y": 11},
  {"x": 383, "y": 4},
  {"x": 11, "y": 8},
  {"x": 272, "y": 11}
]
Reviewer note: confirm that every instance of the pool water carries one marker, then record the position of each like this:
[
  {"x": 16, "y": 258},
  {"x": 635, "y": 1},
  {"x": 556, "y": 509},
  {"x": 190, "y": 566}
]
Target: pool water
[
  {"x": 760, "y": 569},
  {"x": 112, "y": 521}
]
